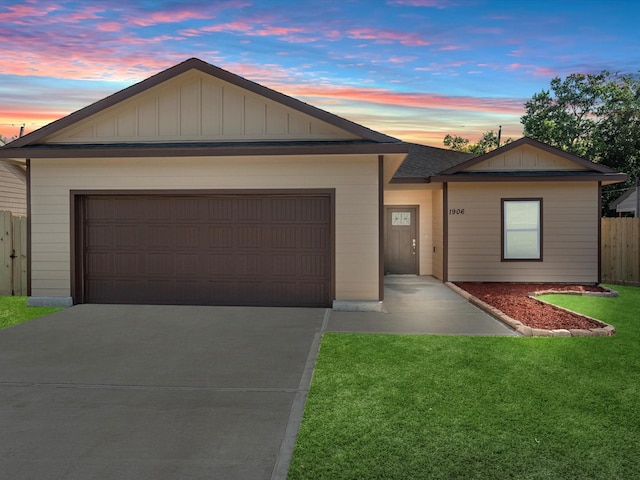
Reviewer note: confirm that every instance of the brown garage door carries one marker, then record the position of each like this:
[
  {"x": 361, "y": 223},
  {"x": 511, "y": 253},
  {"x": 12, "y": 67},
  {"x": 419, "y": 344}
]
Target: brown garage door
[{"x": 261, "y": 250}]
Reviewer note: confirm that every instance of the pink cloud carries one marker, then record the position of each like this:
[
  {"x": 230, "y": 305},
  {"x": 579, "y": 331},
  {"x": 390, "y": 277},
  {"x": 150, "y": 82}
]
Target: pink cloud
[
  {"x": 25, "y": 14},
  {"x": 401, "y": 60},
  {"x": 109, "y": 26},
  {"x": 278, "y": 31},
  {"x": 289, "y": 34},
  {"x": 545, "y": 72},
  {"x": 402, "y": 99},
  {"x": 421, "y": 3},
  {"x": 155, "y": 18},
  {"x": 387, "y": 36},
  {"x": 238, "y": 26},
  {"x": 86, "y": 13}
]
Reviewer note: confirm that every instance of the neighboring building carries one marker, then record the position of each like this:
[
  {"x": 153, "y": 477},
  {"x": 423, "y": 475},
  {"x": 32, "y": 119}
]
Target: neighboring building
[
  {"x": 13, "y": 187},
  {"x": 197, "y": 186},
  {"x": 627, "y": 202}
]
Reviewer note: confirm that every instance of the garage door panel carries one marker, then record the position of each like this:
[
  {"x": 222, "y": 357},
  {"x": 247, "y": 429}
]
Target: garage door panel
[
  {"x": 250, "y": 210},
  {"x": 314, "y": 266},
  {"x": 128, "y": 264},
  {"x": 124, "y": 236},
  {"x": 284, "y": 237},
  {"x": 313, "y": 238},
  {"x": 208, "y": 249},
  {"x": 100, "y": 236},
  {"x": 220, "y": 210},
  {"x": 190, "y": 265},
  {"x": 284, "y": 265},
  {"x": 100, "y": 264},
  {"x": 161, "y": 264},
  {"x": 188, "y": 237},
  {"x": 251, "y": 237}
]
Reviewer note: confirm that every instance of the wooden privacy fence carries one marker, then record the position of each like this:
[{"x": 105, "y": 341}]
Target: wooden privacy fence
[
  {"x": 621, "y": 250},
  {"x": 13, "y": 254}
]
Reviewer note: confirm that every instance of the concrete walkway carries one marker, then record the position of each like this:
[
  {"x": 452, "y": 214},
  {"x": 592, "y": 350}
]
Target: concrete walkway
[
  {"x": 421, "y": 305},
  {"x": 172, "y": 392}
]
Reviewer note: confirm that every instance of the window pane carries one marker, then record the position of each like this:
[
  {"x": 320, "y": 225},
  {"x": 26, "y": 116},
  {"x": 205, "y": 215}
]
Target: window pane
[
  {"x": 519, "y": 215},
  {"x": 521, "y": 244},
  {"x": 521, "y": 229}
]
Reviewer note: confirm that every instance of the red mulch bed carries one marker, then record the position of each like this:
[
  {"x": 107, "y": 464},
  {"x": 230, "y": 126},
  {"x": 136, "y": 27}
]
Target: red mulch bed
[{"x": 513, "y": 300}]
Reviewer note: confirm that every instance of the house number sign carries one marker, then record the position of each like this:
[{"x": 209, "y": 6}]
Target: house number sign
[
  {"x": 456, "y": 211},
  {"x": 400, "y": 218}
]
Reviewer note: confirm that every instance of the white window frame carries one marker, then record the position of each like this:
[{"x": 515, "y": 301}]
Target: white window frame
[{"x": 506, "y": 229}]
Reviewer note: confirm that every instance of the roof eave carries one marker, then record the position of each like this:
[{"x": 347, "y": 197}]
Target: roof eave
[
  {"x": 201, "y": 151},
  {"x": 405, "y": 180},
  {"x": 605, "y": 178}
]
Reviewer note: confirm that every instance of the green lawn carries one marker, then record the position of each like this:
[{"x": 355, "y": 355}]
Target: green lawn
[
  {"x": 430, "y": 407},
  {"x": 14, "y": 310}
]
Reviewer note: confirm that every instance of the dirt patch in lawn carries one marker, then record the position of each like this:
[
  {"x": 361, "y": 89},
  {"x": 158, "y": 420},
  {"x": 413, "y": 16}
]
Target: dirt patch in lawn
[{"x": 514, "y": 300}]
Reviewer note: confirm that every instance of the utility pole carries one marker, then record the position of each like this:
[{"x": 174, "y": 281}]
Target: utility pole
[{"x": 499, "y": 135}]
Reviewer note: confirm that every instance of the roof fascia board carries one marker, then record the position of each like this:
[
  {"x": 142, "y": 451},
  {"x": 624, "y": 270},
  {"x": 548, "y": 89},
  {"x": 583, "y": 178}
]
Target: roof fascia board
[
  {"x": 199, "y": 151},
  {"x": 605, "y": 177},
  {"x": 410, "y": 180},
  {"x": 195, "y": 63},
  {"x": 533, "y": 143}
]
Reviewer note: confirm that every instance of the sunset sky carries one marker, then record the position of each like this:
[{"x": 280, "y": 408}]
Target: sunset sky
[{"x": 413, "y": 69}]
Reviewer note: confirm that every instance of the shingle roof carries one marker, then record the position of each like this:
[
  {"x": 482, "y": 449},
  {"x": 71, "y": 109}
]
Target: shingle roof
[{"x": 424, "y": 161}]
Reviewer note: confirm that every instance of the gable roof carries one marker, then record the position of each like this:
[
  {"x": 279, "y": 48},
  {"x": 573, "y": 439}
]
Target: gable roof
[
  {"x": 534, "y": 143},
  {"x": 34, "y": 144},
  {"x": 429, "y": 164}
]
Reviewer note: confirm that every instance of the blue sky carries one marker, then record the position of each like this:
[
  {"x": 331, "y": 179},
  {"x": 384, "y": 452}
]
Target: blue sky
[{"x": 414, "y": 69}]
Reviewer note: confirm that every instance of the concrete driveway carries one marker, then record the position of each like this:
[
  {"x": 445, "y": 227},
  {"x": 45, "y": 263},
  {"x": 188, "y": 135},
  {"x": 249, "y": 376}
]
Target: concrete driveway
[
  {"x": 150, "y": 392},
  {"x": 162, "y": 392}
]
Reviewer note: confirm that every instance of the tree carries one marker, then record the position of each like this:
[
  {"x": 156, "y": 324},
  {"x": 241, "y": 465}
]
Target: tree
[
  {"x": 594, "y": 116},
  {"x": 488, "y": 141}
]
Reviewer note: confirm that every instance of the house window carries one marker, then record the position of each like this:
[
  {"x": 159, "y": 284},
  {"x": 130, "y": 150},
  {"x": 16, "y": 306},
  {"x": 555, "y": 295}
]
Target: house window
[{"x": 522, "y": 229}]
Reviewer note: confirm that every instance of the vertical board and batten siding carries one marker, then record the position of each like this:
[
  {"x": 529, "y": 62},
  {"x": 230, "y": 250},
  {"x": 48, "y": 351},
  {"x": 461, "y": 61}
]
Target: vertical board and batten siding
[
  {"x": 570, "y": 232},
  {"x": 198, "y": 107},
  {"x": 13, "y": 242},
  {"x": 525, "y": 158},
  {"x": 621, "y": 250},
  {"x": 421, "y": 198},
  {"x": 13, "y": 192},
  {"x": 354, "y": 178}
]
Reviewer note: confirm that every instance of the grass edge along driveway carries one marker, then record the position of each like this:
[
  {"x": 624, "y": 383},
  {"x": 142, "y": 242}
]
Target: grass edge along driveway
[
  {"x": 430, "y": 407},
  {"x": 14, "y": 310}
]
